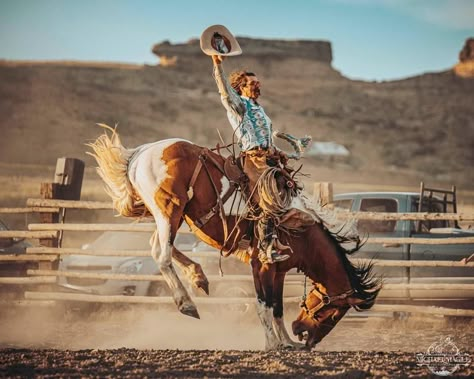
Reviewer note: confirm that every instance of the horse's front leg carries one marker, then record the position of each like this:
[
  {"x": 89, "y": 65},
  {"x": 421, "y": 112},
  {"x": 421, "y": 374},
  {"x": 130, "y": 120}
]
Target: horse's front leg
[
  {"x": 278, "y": 321},
  {"x": 263, "y": 275},
  {"x": 192, "y": 270}
]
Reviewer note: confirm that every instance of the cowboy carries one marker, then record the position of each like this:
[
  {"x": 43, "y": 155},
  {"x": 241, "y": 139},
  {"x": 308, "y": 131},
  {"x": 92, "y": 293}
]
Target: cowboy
[{"x": 253, "y": 129}]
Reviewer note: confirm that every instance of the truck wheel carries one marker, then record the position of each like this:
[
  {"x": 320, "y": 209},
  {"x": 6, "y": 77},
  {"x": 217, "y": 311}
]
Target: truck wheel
[
  {"x": 78, "y": 311},
  {"x": 158, "y": 289},
  {"x": 233, "y": 290},
  {"x": 457, "y": 322},
  {"x": 401, "y": 316}
]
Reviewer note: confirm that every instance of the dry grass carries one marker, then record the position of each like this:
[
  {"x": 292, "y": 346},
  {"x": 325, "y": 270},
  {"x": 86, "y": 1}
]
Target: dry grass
[
  {"x": 14, "y": 190},
  {"x": 18, "y": 182}
]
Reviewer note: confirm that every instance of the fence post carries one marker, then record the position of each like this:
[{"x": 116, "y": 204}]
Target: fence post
[
  {"x": 323, "y": 193},
  {"x": 49, "y": 191},
  {"x": 67, "y": 186},
  {"x": 69, "y": 174}
]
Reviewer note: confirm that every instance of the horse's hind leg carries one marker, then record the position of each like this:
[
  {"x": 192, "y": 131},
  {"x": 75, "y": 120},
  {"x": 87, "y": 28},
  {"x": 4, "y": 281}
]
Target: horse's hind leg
[
  {"x": 167, "y": 228},
  {"x": 165, "y": 198},
  {"x": 192, "y": 270}
]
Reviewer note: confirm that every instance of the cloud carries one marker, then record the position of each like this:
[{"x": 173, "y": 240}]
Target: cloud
[{"x": 452, "y": 14}]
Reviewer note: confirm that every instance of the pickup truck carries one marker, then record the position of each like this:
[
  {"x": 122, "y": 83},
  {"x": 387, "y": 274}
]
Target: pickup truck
[
  {"x": 403, "y": 202},
  {"x": 12, "y": 245}
]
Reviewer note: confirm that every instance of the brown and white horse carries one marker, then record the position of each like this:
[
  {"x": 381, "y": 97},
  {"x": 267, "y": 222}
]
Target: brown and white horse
[{"x": 160, "y": 179}]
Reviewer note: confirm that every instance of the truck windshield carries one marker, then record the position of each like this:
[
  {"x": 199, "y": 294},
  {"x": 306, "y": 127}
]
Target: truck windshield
[
  {"x": 431, "y": 206},
  {"x": 343, "y": 205}
]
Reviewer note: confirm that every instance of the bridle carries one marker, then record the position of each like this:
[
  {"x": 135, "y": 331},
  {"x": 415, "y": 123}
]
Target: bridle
[{"x": 325, "y": 300}]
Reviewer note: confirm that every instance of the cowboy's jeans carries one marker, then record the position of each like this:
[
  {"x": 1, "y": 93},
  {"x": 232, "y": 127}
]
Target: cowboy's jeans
[
  {"x": 255, "y": 164},
  {"x": 266, "y": 232}
]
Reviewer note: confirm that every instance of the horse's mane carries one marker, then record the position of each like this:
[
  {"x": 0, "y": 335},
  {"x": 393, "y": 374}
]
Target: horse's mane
[
  {"x": 339, "y": 232},
  {"x": 361, "y": 277}
]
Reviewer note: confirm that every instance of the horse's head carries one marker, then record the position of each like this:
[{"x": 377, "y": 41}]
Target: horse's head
[
  {"x": 320, "y": 313},
  {"x": 338, "y": 285}
]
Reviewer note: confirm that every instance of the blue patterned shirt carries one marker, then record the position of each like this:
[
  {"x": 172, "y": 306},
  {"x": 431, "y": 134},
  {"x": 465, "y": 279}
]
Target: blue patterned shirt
[{"x": 253, "y": 128}]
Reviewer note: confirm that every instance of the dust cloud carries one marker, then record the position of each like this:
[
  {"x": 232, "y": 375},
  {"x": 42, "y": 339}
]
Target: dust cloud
[
  {"x": 139, "y": 327},
  {"x": 109, "y": 328}
]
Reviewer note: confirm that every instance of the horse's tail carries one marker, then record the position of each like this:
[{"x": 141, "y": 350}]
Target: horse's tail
[{"x": 112, "y": 158}]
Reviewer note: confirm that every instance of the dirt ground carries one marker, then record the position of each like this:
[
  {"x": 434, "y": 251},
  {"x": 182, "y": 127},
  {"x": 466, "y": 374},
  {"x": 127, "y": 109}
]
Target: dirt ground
[
  {"x": 142, "y": 342},
  {"x": 133, "y": 363}
]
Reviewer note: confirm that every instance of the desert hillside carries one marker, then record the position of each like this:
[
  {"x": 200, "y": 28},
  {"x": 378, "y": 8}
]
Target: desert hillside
[{"x": 399, "y": 132}]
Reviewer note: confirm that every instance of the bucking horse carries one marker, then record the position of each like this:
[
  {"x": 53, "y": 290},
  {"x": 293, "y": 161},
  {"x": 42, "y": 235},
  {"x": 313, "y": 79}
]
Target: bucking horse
[{"x": 176, "y": 181}]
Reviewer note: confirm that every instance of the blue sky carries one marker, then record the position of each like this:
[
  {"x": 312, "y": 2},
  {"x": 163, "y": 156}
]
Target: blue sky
[{"x": 371, "y": 39}]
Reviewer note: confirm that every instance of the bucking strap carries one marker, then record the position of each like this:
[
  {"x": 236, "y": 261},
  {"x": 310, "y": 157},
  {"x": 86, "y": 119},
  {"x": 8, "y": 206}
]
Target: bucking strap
[{"x": 196, "y": 172}]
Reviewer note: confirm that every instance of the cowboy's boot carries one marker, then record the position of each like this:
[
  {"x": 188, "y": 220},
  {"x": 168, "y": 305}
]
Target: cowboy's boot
[
  {"x": 269, "y": 251},
  {"x": 269, "y": 254},
  {"x": 274, "y": 254}
]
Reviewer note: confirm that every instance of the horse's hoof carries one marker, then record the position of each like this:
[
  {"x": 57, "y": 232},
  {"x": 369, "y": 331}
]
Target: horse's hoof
[
  {"x": 189, "y": 310},
  {"x": 200, "y": 281},
  {"x": 294, "y": 345},
  {"x": 203, "y": 285}
]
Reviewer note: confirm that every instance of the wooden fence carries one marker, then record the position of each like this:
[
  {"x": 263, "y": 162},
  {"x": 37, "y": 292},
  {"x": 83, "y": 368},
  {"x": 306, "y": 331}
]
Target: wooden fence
[{"x": 46, "y": 257}]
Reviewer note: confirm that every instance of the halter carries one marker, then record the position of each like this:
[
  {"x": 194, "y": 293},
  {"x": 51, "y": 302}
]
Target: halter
[{"x": 325, "y": 300}]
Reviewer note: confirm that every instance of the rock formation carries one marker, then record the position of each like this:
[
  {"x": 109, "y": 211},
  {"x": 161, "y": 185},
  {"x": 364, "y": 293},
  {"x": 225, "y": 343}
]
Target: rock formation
[
  {"x": 465, "y": 67},
  {"x": 259, "y": 49}
]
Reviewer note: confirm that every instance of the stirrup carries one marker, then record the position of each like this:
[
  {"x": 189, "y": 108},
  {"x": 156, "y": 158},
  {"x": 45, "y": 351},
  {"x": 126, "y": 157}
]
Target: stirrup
[
  {"x": 279, "y": 246},
  {"x": 276, "y": 258},
  {"x": 272, "y": 258}
]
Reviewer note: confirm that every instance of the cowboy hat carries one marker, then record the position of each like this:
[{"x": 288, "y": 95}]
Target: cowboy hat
[{"x": 218, "y": 40}]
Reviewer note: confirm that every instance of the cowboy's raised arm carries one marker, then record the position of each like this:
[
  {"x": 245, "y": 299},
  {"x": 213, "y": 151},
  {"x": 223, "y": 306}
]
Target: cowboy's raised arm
[{"x": 230, "y": 99}]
